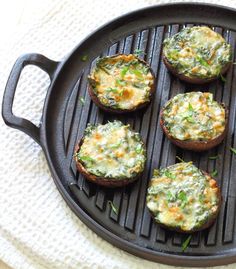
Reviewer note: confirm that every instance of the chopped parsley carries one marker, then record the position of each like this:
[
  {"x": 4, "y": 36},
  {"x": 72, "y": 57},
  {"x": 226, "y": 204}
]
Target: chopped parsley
[
  {"x": 84, "y": 58},
  {"x": 138, "y": 148},
  {"x": 183, "y": 198},
  {"x": 114, "y": 209},
  {"x": 124, "y": 71},
  {"x": 82, "y": 100},
  {"x": 120, "y": 82},
  {"x": 223, "y": 79},
  {"x": 186, "y": 243},
  {"x": 178, "y": 158},
  {"x": 233, "y": 150},
  {"x": 214, "y": 173},
  {"x": 168, "y": 174},
  {"x": 213, "y": 157},
  {"x": 139, "y": 52}
]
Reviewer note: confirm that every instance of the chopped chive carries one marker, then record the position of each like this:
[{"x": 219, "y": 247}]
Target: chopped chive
[
  {"x": 202, "y": 61},
  {"x": 120, "y": 82},
  {"x": 213, "y": 157},
  {"x": 156, "y": 173},
  {"x": 138, "y": 148},
  {"x": 139, "y": 52},
  {"x": 124, "y": 71},
  {"x": 114, "y": 209},
  {"x": 178, "y": 158},
  {"x": 105, "y": 70},
  {"x": 138, "y": 73},
  {"x": 233, "y": 150},
  {"x": 190, "y": 108},
  {"x": 190, "y": 119},
  {"x": 169, "y": 174},
  {"x": 223, "y": 79},
  {"x": 169, "y": 196},
  {"x": 86, "y": 158},
  {"x": 82, "y": 100},
  {"x": 214, "y": 173},
  {"x": 185, "y": 244},
  {"x": 112, "y": 89},
  {"x": 183, "y": 198},
  {"x": 84, "y": 58}
]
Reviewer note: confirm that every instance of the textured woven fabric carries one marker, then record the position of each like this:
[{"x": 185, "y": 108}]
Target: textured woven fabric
[{"x": 37, "y": 229}]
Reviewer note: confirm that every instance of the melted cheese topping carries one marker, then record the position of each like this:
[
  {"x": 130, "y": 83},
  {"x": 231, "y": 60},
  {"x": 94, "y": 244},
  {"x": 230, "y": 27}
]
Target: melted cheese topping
[
  {"x": 112, "y": 151},
  {"x": 197, "y": 52},
  {"x": 181, "y": 196},
  {"x": 122, "y": 81},
  {"x": 194, "y": 116}
]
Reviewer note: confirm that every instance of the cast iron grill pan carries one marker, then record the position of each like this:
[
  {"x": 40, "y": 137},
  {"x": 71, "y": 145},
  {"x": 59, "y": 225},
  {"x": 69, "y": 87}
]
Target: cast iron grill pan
[{"x": 65, "y": 117}]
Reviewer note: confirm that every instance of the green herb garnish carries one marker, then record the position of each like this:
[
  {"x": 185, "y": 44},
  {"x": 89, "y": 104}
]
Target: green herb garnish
[
  {"x": 82, "y": 100},
  {"x": 183, "y": 198},
  {"x": 105, "y": 70},
  {"x": 116, "y": 145},
  {"x": 85, "y": 158},
  {"x": 138, "y": 73},
  {"x": 178, "y": 158},
  {"x": 138, "y": 52},
  {"x": 114, "y": 209},
  {"x": 223, "y": 79},
  {"x": 190, "y": 108},
  {"x": 138, "y": 148},
  {"x": 202, "y": 61},
  {"x": 124, "y": 71},
  {"x": 156, "y": 173},
  {"x": 185, "y": 244},
  {"x": 169, "y": 196},
  {"x": 233, "y": 150},
  {"x": 120, "y": 82},
  {"x": 190, "y": 119},
  {"x": 112, "y": 89},
  {"x": 214, "y": 173},
  {"x": 84, "y": 58},
  {"x": 213, "y": 157},
  {"x": 169, "y": 174}
]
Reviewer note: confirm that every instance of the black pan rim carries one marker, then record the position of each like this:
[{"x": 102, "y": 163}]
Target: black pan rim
[{"x": 167, "y": 258}]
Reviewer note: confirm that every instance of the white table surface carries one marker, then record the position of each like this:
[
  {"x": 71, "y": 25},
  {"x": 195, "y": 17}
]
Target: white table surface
[{"x": 37, "y": 229}]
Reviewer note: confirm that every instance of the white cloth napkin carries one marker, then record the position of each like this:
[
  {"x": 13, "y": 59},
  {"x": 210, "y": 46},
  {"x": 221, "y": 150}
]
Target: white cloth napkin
[{"x": 37, "y": 228}]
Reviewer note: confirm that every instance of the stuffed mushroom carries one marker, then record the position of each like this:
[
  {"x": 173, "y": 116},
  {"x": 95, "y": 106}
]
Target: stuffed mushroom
[
  {"x": 194, "y": 121},
  {"x": 183, "y": 198},
  {"x": 197, "y": 55},
  {"x": 121, "y": 83},
  {"x": 111, "y": 155}
]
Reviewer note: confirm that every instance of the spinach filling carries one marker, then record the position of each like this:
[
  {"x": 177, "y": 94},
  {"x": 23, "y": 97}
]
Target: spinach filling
[
  {"x": 197, "y": 52},
  {"x": 122, "y": 81},
  {"x": 181, "y": 196},
  {"x": 112, "y": 151},
  {"x": 194, "y": 116}
]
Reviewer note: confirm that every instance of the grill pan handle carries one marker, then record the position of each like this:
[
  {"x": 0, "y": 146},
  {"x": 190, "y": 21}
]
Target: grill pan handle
[{"x": 10, "y": 119}]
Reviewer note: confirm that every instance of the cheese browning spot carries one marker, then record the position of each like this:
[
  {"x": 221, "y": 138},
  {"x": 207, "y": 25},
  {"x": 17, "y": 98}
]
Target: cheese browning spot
[
  {"x": 197, "y": 52},
  {"x": 194, "y": 116},
  {"x": 122, "y": 81},
  {"x": 186, "y": 201},
  {"x": 112, "y": 151}
]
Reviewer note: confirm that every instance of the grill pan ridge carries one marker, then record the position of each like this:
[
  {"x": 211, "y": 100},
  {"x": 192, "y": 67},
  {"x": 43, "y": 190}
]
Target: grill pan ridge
[{"x": 65, "y": 118}]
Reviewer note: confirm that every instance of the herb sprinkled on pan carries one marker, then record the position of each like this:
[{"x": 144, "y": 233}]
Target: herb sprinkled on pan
[
  {"x": 84, "y": 58},
  {"x": 186, "y": 243},
  {"x": 114, "y": 209},
  {"x": 214, "y": 173},
  {"x": 82, "y": 100},
  {"x": 233, "y": 150},
  {"x": 213, "y": 157}
]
